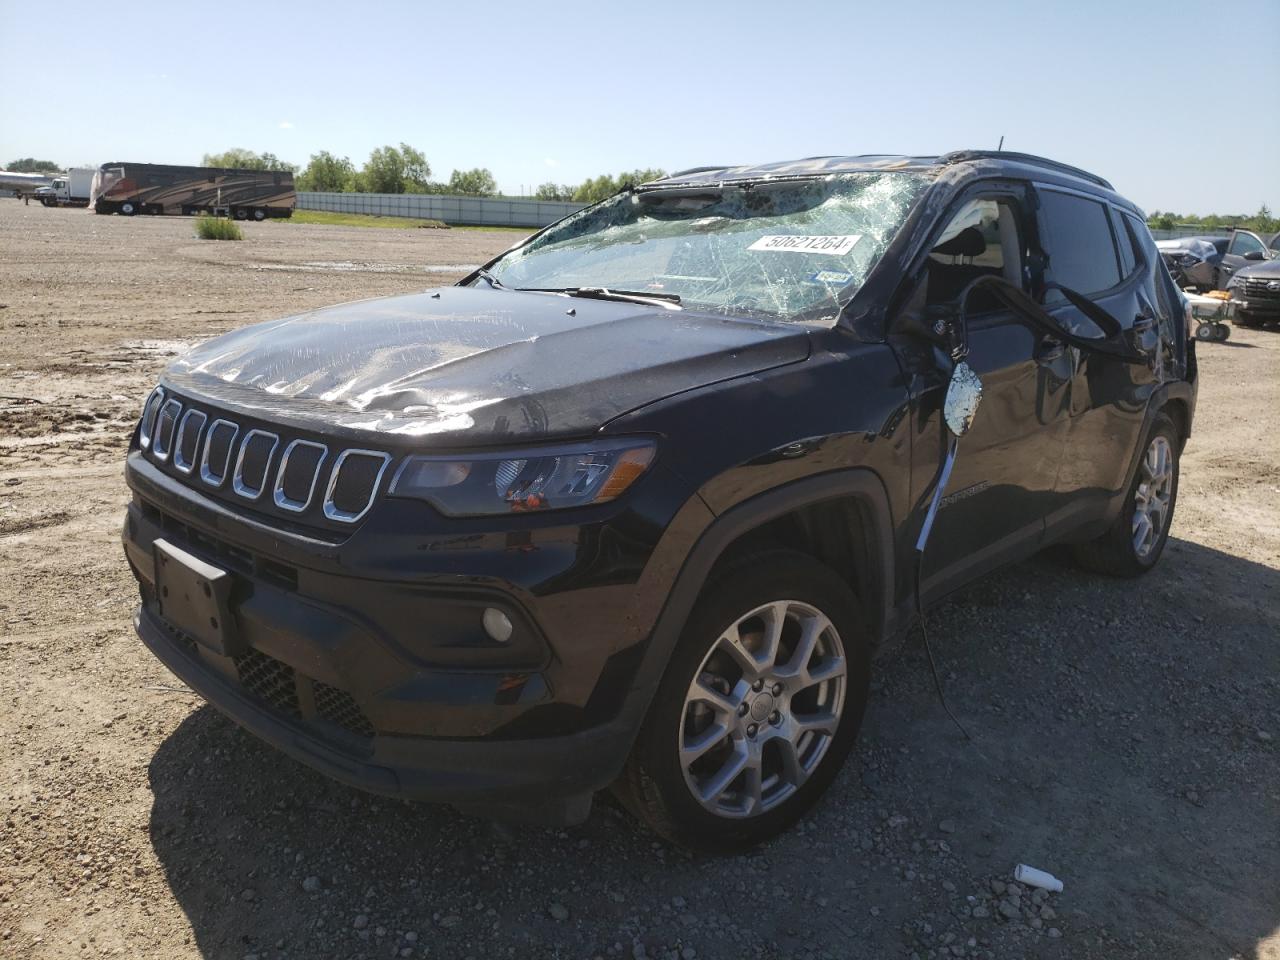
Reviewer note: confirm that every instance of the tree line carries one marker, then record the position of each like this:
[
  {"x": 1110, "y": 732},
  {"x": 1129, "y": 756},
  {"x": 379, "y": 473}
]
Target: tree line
[
  {"x": 1260, "y": 222},
  {"x": 404, "y": 169}
]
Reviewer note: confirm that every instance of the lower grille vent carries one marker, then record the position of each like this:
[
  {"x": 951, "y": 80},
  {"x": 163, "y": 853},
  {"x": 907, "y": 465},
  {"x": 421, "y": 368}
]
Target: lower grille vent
[
  {"x": 338, "y": 706},
  {"x": 270, "y": 680}
]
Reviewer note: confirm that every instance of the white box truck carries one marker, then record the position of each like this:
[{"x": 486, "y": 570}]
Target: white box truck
[{"x": 70, "y": 189}]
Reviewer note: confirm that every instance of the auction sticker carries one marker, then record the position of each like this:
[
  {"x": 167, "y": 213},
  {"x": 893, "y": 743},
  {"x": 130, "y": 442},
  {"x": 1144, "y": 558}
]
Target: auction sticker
[{"x": 833, "y": 246}]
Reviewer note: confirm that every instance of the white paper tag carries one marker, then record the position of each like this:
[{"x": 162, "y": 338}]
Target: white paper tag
[{"x": 833, "y": 246}]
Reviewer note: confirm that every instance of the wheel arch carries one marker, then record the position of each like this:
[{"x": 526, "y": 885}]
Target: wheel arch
[{"x": 784, "y": 517}]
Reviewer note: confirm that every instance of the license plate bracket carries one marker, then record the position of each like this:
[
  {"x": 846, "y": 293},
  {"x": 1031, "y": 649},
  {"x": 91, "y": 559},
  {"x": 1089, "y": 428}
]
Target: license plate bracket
[{"x": 195, "y": 597}]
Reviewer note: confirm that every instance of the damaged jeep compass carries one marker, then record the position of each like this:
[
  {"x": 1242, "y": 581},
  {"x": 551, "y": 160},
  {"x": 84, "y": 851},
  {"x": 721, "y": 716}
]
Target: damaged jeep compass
[{"x": 635, "y": 505}]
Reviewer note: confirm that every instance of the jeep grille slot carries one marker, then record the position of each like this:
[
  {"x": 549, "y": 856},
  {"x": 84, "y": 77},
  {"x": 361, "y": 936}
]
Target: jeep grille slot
[
  {"x": 353, "y": 483},
  {"x": 296, "y": 479},
  {"x": 166, "y": 423},
  {"x": 218, "y": 446},
  {"x": 252, "y": 463},
  {"x": 184, "y": 449},
  {"x": 149, "y": 411}
]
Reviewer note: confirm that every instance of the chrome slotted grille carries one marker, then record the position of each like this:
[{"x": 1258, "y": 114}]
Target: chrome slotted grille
[
  {"x": 304, "y": 479},
  {"x": 1260, "y": 289}
]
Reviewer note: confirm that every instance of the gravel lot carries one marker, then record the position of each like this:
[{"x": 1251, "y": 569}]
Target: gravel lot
[{"x": 1126, "y": 734}]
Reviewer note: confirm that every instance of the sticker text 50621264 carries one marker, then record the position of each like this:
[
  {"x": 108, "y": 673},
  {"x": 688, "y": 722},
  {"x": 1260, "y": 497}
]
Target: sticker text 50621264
[{"x": 834, "y": 246}]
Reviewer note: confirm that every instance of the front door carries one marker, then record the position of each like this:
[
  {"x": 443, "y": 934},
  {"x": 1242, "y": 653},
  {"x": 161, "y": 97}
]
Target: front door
[
  {"x": 1242, "y": 244},
  {"x": 1004, "y": 478}
]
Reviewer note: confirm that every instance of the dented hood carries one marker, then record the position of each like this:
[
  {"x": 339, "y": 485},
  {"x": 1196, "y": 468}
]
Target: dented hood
[{"x": 462, "y": 364}]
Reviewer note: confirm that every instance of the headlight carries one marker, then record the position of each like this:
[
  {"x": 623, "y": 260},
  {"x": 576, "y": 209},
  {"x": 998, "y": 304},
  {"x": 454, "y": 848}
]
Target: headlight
[
  {"x": 1188, "y": 260},
  {"x": 517, "y": 481}
]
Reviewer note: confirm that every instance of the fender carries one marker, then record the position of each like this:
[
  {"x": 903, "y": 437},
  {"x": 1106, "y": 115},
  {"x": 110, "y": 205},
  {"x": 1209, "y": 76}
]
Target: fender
[{"x": 859, "y": 483}]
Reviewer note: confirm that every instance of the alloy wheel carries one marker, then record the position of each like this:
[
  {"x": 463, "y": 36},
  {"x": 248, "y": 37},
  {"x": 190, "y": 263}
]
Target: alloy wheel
[
  {"x": 1151, "y": 500},
  {"x": 763, "y": 709}
]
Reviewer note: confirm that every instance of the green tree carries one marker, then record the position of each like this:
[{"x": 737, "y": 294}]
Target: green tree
[
  {"x": 392, "y": 170},
  {"x": 327, "y": 174},
  {"x": 32, "y": 165},
  {"x": 597, "y": 188},
  {"x": 237, "y": 158},
  {"x": 473, "y": 183},
  {"x": 553, "y": 191}
]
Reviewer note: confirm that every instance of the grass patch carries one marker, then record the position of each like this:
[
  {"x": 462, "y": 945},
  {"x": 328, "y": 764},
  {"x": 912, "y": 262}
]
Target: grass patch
[
  {"x": 360, "y": 220},
  {"x": 217, "y": 228}
]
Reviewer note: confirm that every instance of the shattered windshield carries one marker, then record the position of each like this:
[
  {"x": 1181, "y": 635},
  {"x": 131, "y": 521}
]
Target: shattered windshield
[{"x": 795, "y": 250}]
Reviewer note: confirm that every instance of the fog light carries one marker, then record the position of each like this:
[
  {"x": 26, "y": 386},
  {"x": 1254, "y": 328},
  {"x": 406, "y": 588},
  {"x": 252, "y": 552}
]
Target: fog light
[{"x": 497, "y": 624}]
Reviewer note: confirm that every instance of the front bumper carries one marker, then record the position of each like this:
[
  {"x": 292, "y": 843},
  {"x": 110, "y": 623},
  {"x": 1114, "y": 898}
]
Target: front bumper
[{"x": 331, "y": 666}]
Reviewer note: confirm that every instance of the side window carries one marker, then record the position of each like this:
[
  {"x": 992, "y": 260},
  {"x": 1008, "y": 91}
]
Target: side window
[
  {"x": 1243, "y": 244},
  {"x": 1124, "y": 244},
  {"x": 1077, "y": 237},
  {"x": 982, "y": 239}
]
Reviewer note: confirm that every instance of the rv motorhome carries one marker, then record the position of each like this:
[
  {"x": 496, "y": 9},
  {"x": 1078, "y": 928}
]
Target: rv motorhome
[{"x": 134, "y": 188}]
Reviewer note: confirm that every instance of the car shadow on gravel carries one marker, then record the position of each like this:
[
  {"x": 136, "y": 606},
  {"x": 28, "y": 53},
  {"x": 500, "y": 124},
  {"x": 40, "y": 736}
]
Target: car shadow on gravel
[{"x": 1125, "y": 738}]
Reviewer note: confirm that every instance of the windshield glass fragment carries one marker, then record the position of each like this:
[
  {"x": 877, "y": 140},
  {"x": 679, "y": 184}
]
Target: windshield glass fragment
[{"x": 792, "y": 250}]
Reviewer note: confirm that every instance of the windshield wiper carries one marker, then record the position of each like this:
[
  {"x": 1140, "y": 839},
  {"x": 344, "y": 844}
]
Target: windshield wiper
[
  {"x": 668, "y": 301},
  {"x": 493, "y": 281}
]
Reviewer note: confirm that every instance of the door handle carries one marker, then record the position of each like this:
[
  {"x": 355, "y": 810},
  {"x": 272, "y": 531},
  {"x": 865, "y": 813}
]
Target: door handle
[{"x": 1048, "y": 350}]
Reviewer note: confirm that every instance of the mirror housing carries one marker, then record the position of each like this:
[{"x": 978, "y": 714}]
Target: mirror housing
[{"x": 1255, "y": 255}]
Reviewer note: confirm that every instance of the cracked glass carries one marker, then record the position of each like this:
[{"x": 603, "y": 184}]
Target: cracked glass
[{"x": 793, "y": 250}]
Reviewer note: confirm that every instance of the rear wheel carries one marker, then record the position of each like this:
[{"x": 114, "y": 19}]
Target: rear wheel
[
  {"x": 128, "y": 208},
  {"x": 259, "y": 214},
  {"x": 758, "y": 708},
  {"x": 240, "y": 213},
  {"x": 1136, "y": 540}
]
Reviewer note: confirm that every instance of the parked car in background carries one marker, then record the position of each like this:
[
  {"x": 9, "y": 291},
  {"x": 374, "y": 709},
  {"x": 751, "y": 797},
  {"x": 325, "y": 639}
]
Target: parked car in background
[
  {"x": 1255, "y": 291},
  {"x": 634, "y": 504},
  {"x": 1244, "y": 248},
  {"x": 1193, "y": 261}
]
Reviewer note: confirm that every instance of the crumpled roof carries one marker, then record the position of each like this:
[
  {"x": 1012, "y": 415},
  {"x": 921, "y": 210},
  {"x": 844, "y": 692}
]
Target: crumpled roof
[
  {"x": 811, "y": 166},
  {"x": 1194, "y": 245}
]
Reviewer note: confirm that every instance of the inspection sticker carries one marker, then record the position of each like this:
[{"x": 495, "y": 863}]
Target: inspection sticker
[
  {"x": 834, "y": 246},
  {"x": 831, "y": 277}
]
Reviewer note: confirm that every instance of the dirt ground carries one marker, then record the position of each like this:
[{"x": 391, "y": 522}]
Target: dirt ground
[{"x": 1126, "y": 734}]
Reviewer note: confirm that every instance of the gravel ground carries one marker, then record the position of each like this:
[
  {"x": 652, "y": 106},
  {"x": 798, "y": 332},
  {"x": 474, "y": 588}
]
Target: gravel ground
[{"x": 1126, "y": 734}]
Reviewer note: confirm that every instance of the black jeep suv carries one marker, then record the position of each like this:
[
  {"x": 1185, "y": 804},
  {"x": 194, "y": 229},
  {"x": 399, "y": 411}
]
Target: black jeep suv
[{"x": 635, "y": 504}]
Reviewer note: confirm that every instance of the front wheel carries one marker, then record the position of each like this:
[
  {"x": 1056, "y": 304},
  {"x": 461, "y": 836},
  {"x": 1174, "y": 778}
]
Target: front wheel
[
  {"x": 128, "y": 209},
  {"x": 1135, "y": 541},
  {"x": 758, "y": 708}
]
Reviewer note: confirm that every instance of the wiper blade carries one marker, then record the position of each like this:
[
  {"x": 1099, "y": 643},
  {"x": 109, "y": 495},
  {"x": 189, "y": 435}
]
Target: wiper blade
[
  {"x": 494, "y": 282},
  {"x": 668, "y": 301}
]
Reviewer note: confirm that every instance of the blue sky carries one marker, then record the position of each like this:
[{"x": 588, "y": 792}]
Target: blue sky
[{"x": 563, "y": 91}]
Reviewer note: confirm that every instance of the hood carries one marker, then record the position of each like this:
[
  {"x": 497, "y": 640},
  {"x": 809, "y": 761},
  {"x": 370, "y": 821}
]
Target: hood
[
  {"x": 1263, "y": 268},
  {"x": 465, "y": 365}
]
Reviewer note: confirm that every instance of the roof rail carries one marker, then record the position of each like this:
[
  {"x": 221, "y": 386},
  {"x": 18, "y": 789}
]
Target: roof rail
[
  {"x": 960, "y": 156},
  {"x": 693, "y": 170}
]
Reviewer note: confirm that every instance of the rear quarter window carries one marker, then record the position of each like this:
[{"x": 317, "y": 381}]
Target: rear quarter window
[{"x": 1077, "y": 236}]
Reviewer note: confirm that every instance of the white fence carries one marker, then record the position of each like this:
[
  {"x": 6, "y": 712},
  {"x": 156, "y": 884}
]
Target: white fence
[
  {"x": 1188, "y": 230},
  {"x": 469, "y": 211}
]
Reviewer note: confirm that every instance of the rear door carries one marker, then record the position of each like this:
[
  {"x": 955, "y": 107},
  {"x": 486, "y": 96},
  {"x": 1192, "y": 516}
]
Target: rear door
[{"x": 1090, "y": 248}]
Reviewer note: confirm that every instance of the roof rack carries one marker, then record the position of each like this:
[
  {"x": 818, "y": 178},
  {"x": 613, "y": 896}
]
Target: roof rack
[
  {"x": 960, "y": 156},
  {"x": 693, "y": 170}
]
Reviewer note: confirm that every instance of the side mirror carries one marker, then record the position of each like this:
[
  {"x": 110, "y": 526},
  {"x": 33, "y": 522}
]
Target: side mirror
[{"x": 1255, "y": 255}]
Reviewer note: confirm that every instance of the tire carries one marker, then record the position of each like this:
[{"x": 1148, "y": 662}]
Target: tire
[
  {"x": 1204, "y": 330},
  {"x": 259, "y": 214},
  {"x": 1118, "y": 552},
  {"x": 240, "y": 213},
  {"x": 780, "y": 586},
  {"x": 1221, "y": 332},
  {"x": 128, "y": 209}
]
